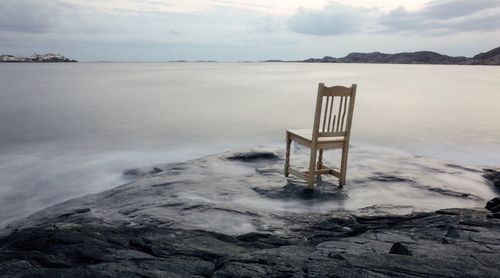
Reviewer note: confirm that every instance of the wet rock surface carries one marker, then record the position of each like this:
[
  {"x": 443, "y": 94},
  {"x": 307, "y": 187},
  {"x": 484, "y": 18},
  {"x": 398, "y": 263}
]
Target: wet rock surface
[
  {"x": 322, "y": 246},
  {"x": 253, "y": 155},
  {"x": 493, "y": 205},
  {"x": 493, "y": 176},
  {"x": 160, "y": 225}
]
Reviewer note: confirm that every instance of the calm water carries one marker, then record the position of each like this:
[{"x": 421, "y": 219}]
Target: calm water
[{"x": 70, "y": 129}]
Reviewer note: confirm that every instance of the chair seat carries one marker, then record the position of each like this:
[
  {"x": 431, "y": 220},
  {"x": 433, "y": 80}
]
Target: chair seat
[{"x": 304, "y": 137}]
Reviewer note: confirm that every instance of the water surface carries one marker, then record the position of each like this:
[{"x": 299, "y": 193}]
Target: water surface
[{"x": 70, "y": 129}]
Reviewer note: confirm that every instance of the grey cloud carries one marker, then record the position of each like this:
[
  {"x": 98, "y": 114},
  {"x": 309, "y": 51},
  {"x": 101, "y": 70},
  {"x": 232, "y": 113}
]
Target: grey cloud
[
  {"x": 40, "y": 16},
  {"x": 436, "y": 18},
  {"x": 448, "y": 9},
  {"x": 334, "y": 19},
  {"x": 446, "y": 17},
  {"x": 27, "y": 16}
]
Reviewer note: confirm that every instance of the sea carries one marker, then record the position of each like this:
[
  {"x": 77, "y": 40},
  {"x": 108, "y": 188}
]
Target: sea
[{"x": 70, "y": 129}]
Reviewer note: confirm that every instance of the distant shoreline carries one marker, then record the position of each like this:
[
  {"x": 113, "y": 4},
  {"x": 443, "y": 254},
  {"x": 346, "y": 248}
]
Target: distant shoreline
[
  {"x": 244, "y": 62},
  {"x": 490, "y": 58}
]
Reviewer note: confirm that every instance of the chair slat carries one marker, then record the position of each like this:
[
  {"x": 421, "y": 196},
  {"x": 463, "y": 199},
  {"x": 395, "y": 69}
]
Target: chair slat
[
  {"x": 343, "y": 115},
  {"x": 326, "y": 110},
  {"x": 340, "y": 112},
  {"x": 330, "y": 115}
]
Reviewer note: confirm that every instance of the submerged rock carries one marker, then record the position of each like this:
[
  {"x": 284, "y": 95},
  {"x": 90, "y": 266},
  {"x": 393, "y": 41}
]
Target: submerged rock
[
  {"x": 155, "y": 170},
  {"x": 389, "y": 177},
  {"x": 494, "y": 215},
  {"x": 139, "y": 172},
  {"x": 253, "y": 155},
  {"x": 132, "y": 172},
  {"x": 452, "y": 232},
  {"x": 493, "y": 205},
  {"x": 399, "y": 249},
  {"x": 493, "y": 176},
  {"x": 294, "y": 190}
]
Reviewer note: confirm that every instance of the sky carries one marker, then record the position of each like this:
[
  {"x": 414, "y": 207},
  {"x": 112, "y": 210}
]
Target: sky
[{"x": 241, "y": 30}]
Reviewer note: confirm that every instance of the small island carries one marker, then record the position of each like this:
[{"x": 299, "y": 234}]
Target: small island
[{"x": 36, "y": 58}]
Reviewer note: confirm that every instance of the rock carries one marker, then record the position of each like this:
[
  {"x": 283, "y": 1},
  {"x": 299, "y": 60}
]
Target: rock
[
  {"x": 263, "y": 240},
  {"x": 493, "y": 176},
  {"x": 155, "y": 170},
  {"x": 254, "y": 155},
  {"x": 389, "y": 177},
  {"x": 134, "y": 172},
  {"x": 493, "y": 205},
  {"x": 312, "y": 246},
  {"x": 399, "y": 249},
  {"x": 452, "y": 232},
  {"x": 252, "y": 237},
  {"x": 495, "y": 209},
  {"x": 219, "y": 217},
  {"x": 336, "y": 256},
  {"x": 495, "y": 215},
  {"x": 138, "y": 172},
  {"x": 300, "y": 191}
]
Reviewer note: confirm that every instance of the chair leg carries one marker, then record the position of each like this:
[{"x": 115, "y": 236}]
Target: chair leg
[
  {"x": 312, "y": 168},
  {"x": 343, "y": 165},
  {"x": 287, "y": 155},
  {"x": 320, "y": 159}
]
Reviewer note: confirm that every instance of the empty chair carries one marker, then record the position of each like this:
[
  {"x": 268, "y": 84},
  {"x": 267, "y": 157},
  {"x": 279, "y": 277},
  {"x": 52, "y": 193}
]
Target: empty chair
[{"x": 331, "y": 130}]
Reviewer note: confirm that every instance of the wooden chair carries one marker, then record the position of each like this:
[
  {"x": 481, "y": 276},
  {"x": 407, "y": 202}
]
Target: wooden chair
[{"x": 331, "y": 130}]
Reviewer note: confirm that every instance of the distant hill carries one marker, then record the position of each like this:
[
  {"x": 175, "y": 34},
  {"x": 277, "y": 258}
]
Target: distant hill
[{"x": 491, "y": 57}]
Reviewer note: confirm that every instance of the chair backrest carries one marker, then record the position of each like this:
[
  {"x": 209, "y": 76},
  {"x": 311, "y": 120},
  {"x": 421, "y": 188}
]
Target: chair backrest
[{"x": 334, "y": 110}]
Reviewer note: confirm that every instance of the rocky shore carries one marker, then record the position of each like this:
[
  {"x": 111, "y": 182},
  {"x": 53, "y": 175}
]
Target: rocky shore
[{"x": 250, "y": 221}]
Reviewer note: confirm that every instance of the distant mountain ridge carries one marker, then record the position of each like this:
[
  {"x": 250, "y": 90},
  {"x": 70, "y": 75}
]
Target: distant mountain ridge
[{"x": 491, "y": 57}]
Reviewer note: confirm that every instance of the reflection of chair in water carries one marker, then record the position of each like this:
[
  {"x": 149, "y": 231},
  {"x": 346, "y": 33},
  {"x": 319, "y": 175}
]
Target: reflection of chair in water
[{"x": 331, "y": 130}]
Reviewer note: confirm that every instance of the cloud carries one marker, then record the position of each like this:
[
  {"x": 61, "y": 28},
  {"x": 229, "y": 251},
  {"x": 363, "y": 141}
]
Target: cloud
[
  {"x": 444, "y": 17},
  {"x": 40, "y": 16},
  {"x": 448, "y": 9},
  {"x": 436, "y": 18},
  {"x": 333, "y": 19},
  {"x": 28, "y": 16}
]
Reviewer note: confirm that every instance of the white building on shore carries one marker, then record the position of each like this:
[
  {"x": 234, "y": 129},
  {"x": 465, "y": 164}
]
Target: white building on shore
[
  {"x": 36, "y": 58},
  {"x": 8, "y": 58}
]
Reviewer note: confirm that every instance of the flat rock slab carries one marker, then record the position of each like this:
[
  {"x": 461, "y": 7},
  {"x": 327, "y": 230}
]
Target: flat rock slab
[
  {"x": 417, "y": 245},
  {"x": 234, "y": 215}
]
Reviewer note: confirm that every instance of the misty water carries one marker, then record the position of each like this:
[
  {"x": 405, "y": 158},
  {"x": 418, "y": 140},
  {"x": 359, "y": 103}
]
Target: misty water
[{"x": 70, "y": 129}]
